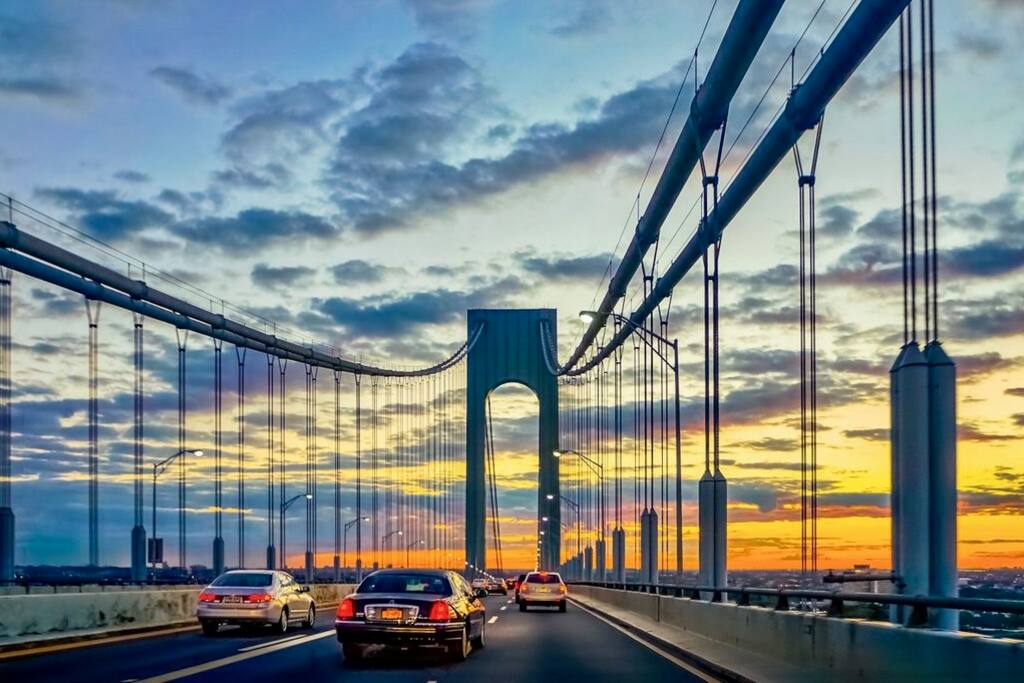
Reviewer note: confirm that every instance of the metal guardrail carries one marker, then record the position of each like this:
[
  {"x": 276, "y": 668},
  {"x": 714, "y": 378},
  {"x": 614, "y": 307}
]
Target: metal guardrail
[{"x": 919, "y": 604}]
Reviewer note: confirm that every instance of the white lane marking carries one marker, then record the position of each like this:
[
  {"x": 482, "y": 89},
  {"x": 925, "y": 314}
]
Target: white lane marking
[
  {"x": 241, "y": 657},
  {"x": 492, "y": 619},
  {"x": 269, "y": 643},
  {"x": 503, "y": 608},
  {"x": 650, "y": 646},
  {"x": 508, "y": 602}
]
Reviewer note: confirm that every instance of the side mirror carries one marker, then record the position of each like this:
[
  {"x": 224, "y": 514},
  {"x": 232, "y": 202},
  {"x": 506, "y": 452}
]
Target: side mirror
[
  {"x": 480, "y": 592},
  {"x": 303, "y": 589}
]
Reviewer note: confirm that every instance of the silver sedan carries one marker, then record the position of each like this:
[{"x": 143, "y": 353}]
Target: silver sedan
[{"x": 252, "y": 597}]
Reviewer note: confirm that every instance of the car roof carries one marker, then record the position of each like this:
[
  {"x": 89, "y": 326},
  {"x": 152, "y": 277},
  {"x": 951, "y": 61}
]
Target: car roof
[
  {"x": 428, "y": 572},
  {"x": 251, "y": 571}
]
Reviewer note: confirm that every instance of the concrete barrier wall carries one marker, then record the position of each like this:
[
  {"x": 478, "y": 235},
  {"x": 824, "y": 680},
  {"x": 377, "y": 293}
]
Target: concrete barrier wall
[
  {"x": 833, "y": 648},
  {"x": 23, "y": 617}
]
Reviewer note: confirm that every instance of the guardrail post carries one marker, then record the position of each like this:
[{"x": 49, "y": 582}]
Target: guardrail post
[
  {"x": 835, "y": 607},
  {"x": 743, "y": 600},
  {"x": 918, "y": 616},
  {"x": 782, "y": 602}
]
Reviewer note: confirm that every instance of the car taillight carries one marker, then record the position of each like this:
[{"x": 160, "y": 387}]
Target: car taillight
[
  {"x": 347, "y": 609},
  {"x": 207, "y": 597},
  {"x": 439, "y": 611},
  {"x": 523, "y": 588},
  {"x": 561, "y": 588},
  {"x": 258, "y": 597}
]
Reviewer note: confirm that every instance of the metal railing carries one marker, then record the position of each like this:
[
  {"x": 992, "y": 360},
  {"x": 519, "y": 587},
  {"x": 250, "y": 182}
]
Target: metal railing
[{"x": 783, "y": 597}]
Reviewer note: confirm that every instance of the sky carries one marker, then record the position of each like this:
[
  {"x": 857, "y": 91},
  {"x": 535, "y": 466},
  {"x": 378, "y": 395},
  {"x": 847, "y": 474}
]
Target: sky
[{"x": 359, "y": 174}]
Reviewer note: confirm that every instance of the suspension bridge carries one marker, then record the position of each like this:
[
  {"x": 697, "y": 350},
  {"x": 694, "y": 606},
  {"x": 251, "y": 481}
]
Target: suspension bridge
[{"x": 418, "y": 487}]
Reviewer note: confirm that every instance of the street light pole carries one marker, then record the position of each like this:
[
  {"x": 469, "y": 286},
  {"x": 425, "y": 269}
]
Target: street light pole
[
  {"x": 344, "y": 541},
  {"x": 158, "y": 469},
  {"x": 388, "y": 535},
  {"x": 284, "y": 508},
  {"x": 408, "y": 548},
  {"x": 598, "y": 469},
  {"x": 576, "y": 508}
]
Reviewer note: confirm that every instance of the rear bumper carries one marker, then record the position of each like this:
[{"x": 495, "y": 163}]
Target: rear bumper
[
  {"x": 239, "y": 615},
  {"x": 361, "y": 633},
  {"x": 541, "y": 598}
]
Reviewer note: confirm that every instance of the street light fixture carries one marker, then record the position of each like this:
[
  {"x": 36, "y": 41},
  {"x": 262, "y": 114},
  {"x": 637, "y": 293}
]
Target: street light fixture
[
  {"x": 591, "y": 318},
  {"x": 158, "y": 469}
]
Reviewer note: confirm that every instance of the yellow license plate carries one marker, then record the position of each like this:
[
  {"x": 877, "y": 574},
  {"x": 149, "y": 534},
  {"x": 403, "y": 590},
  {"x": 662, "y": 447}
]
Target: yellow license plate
[{"x": 391, "y": 614}]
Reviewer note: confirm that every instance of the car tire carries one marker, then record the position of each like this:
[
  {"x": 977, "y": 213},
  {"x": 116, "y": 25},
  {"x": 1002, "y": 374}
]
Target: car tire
[
  {"x": 460, "y": 651},
  {"x": 310, "y": 617},
  {"x": 561, "y": 606},
  {"x": 282, "y": 622},
  {"x": 522, "y": 606},
  {"x": 352, "y": 652},
  {"x": 210, "y": 628},
  {"x": 480, "y": 642}
]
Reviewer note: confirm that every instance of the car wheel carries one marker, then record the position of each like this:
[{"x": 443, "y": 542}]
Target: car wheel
[
  {"x": 282, "y": 622},
  {"x": 210, "y": 628},
  {"x": 352, "y": 652},
  {"x": 561, "y": 606},
  {"x": 522, "y": 606},
  {"x": 460, "y": 651},
  {"x": 310, "y": 618},
  {"x": 480, "y": 642}
]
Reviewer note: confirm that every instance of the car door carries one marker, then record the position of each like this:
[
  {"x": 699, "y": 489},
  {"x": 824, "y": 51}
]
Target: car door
[{"x": 475, "y": 606}]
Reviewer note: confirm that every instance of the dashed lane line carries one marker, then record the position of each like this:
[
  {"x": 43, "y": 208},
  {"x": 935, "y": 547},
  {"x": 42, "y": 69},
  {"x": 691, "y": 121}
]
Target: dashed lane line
[
  {"x": 240, "y": 657},
  {"x": 269, "y": 643},
  {"x": 492, "y": 619}
]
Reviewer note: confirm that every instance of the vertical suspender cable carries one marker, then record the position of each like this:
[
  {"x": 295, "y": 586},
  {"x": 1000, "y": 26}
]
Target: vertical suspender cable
[
  {"x": 240, "y": 352},
  {"x": 182, "y": 338},
  {"x": 218, "y": 457},
  {"x": 271, "y": 513},
  {"x": 374, "y": 474},
  {"x": 337, "y": 476},
  {"x": 282, "y": 465},
  {"x": 92, "y": 311},
  {"x": 359, "y": 479}
]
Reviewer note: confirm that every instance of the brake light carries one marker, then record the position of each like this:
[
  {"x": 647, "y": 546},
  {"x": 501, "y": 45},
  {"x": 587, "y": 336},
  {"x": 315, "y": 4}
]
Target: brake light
[
  {"x": 561, "y": 588},
  {"x": 207, "y": 597},
  {"x": 440, "y": 611},
  {"x": 524, "y": 588},
  {"x": 347, "y": 609},
  {"x": 258, "y": 597}
]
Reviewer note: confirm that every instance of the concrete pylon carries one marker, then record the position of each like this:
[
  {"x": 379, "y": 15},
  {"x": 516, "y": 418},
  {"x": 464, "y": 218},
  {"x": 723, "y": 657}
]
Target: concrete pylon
[
  {"x": 218, "y": 556},
  {"x": 645, "y": 544},
  {"x": 138, "y": 550},
  {"x": 337, "y": 569},
  {"x": 654, "y": 576},
  {"x": 588, "y": 564},
  {"x": 600, "y": 567},
  {"x": 712, "y": 500},
  {"x": 6, "y": 544},
  {"x": 910, "y": 473},
  {"x": 618, "y": 555},
  {"x": 508, "y": 348},
  {"x": 942, "y": 491}
]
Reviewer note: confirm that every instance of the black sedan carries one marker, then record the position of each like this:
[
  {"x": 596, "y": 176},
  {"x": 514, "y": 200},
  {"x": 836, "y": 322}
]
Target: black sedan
[{"x": 412, "y": 608}]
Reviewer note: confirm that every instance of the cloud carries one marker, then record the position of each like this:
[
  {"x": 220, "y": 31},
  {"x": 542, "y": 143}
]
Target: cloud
[
  {"x": 562, "y": 268},
  {"x": 130, "y": 176},
  {"x": 879, "y": 434},
  {"x": 976, "y": 319},
  {"x": 404, "y": 313},
  {"x": 1018, "y": 419},
  {"x": 358, "y": 271},
  {"x": 104, "y": 214},
  {"x": 981, "y": 46},
  {"x": 398, "y": 158},
  {"x": 593, "y": 17},
  {"x": 1015, "y": 391},
  {"x": 446, "y": 18},
  {"x": 273, "y": 277},
  {"x": 190, "y": 85},
  {"x": 40, "y": 88},
  {"x": 253, "y": 230},
  {"x": 968, "y": 431},
  {"x": 261, "y": 177}
]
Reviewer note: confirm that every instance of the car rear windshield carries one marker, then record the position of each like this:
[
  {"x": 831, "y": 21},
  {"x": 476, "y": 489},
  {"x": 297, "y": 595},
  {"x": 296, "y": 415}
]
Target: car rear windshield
[
  {"x": 244, "y": 580},
  {"x": 543, "y": 578},
  {"x": 405, "y": 583},
  {"x": 522, "y": 577}
]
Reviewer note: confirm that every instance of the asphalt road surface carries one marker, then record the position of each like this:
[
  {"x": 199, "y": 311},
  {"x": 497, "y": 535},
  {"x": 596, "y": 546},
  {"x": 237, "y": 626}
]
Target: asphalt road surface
[{"x": 538, "y": 645}]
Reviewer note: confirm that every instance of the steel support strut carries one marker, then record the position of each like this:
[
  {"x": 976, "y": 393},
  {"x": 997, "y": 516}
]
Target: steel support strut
[
  {"x": 6, "y": 508},
  {"x": 138, "y": 541},
  {"x": 92, "y": 312}
]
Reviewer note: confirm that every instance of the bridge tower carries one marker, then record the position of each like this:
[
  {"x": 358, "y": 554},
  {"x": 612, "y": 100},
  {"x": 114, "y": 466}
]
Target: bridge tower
[{"x": 509, "y": 349}]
